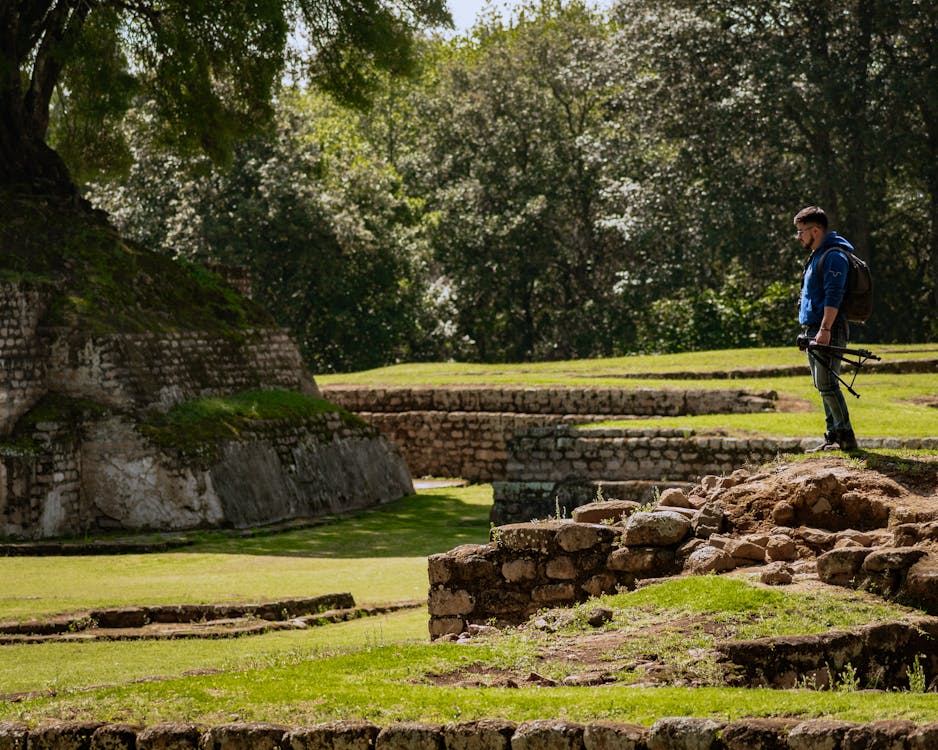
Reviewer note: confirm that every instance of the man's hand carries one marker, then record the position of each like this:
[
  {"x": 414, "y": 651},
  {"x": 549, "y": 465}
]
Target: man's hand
[{"x": 823, "y": 337}]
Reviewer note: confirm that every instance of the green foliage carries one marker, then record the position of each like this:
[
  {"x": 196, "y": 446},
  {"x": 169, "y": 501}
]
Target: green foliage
[
  {"x": 332, "y": 242},
  {"x": 208, "y": 66},
  {"x": 107, "y": 284},
  {"x": 197, "y": 427}
]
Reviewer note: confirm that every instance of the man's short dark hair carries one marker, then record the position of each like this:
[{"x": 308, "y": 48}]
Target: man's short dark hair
[{"x": 812, "y": 215}]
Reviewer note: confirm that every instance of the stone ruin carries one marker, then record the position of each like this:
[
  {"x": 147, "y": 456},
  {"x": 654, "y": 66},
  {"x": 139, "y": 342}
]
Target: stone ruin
[
  {"x": 819, "y": 520},
  {"x": 87, "y": 467}
]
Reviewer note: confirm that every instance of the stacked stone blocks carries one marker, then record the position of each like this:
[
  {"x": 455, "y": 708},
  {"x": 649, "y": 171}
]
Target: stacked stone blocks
[
  {"x": 465, "y": 431},
  {"x": 484, "y": 734}
]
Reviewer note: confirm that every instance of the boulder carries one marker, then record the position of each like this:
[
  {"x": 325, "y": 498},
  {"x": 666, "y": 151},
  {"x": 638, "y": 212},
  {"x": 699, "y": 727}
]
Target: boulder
[
  {"x": 484, "y": 734},
  {"x": 777, "y": 574},
  {"x": 655, "y": 529},
  {"x": 840, "y": 566},
  {"x": 709, "y": 560},
  {"x": 334, "y": 735}
]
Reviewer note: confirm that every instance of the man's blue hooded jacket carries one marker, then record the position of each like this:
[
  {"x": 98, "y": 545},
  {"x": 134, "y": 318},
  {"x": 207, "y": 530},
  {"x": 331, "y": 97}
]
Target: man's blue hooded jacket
[{"x": 824, "y": 287}]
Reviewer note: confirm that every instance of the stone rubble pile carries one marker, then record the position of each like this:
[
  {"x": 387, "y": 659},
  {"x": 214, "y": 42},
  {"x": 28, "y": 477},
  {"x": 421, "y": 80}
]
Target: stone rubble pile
[{"x": 809, "y": 524}]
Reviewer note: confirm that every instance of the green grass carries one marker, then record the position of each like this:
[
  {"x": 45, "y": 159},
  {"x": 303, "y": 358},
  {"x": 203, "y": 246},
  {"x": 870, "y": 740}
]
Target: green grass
[
  {"x": 378, "y": 556},
  {"x": 886, "y": 407},
  {"x": 197, "y": 427},
  {"x": 606, "y": 371},
  {"x": 349, "y": 671}
]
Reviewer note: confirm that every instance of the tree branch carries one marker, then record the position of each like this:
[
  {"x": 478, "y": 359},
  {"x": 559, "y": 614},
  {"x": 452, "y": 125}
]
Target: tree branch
[{"x": 64, "y": 24}]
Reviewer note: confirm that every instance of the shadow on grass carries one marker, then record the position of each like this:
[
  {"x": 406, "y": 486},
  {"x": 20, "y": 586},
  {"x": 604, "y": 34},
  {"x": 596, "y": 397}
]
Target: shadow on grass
[
  {"x": 918, "y": 474},
  {"x": 413, "y": 526}
]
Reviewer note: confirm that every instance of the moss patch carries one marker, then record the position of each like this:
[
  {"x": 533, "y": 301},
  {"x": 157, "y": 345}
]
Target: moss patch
[
  {"x": 196, "y": 428},
  {"x": 105, "y": 284}
]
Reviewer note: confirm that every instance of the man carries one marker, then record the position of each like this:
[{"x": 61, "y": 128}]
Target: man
[{"x": 822, "y": 292}]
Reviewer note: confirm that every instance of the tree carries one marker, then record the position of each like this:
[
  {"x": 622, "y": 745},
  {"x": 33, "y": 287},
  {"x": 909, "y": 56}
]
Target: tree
[
  {"x": 209, "y": 65},
  {"x": 769, "y": 106},
  {"x": 507, "y": 161}
]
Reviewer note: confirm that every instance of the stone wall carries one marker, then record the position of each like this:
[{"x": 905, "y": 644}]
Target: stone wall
[
  {"x": 566, "y": 466},
  {"x": 95, "y": 471},
  {"x": 464, "y": 431},
  {"x": 139, "y": 372},
  {"x": 486, "y": 734},
  {"x": 22, "y": 352},
  {"x": 111, "y": 478}
]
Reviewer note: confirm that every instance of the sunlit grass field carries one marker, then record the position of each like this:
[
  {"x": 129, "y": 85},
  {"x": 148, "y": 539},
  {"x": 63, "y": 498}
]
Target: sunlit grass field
[
  {"x": 889, "y": 405},
  {"x": 375, "y": 668}
]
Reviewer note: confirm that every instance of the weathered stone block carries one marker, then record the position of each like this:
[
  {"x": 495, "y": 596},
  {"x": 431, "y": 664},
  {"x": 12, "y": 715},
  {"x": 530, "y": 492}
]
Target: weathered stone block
[
  {"x": 607, "y": 735},
  {"x": 73, "y": 736},
  {"x": 895, "y": 558},
  {"x": 115, "y": 737},
  {"x": 820, "y": 734},
  {"x": 575, "y": 537},
  {"x": 757, "y": 734},
  {"x": 519, "y": 570},
  {"x": 643, "y": 561},
  {"x": 548, "y": 735},
  {"x": 655, "y": 529},
  {"x": 746, "y": 551},
  {"x": 709, "y": 560},
  {"x": 336, "y": 735},
  {"x": 608, "y": 510},
  {"x": 561, "y": 568},
  {"x": 446, "y": 603},
  {"x": 684, "y": 733},
  {"x": 13, "y": 735},
  {"x": 410, "y": 736},
  {"x": 880, "y": 735},
  {"x": 674, "y": 498},
  {"x": 554, "y": 593},
  {"x": 781, "y": 547},
  {"x": 440, "y": 626},
  {"x": 485, "y": 734},
  {"x": 247, "y": 736},
  {"x": 170, "y": 736},
  {"x": 526, "y": 537},
  {"x": 599, "y": 584},
  {"x": 840, "y": 565}
]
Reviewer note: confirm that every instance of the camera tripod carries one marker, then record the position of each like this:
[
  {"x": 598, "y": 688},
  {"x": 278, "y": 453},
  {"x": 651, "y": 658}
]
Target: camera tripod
[{"x": 824, "y": 355}]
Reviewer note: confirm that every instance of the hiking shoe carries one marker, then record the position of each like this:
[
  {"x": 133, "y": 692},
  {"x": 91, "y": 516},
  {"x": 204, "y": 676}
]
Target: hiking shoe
[
  {"x": 830, "y": 443},
  {"x": 847, "y": 440}
]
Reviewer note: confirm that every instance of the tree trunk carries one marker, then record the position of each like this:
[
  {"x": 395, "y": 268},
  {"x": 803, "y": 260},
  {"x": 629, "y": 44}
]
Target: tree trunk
[{"x": 27, "y": 164}]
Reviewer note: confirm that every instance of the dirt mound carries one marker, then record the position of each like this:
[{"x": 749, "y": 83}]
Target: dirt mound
[{"x": 830, "y": 493}]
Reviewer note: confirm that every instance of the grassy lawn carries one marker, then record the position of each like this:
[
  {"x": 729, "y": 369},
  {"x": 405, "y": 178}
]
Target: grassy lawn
[
  {"x": 379, "y": 671},
  {"x": 377, "y": 556},
  {"x": 608, "y": 371},
  {"x": 379, "y": 668}
]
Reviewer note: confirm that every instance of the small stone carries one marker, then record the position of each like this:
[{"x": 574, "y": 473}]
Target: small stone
[
  {"x": 600, "y": 616},
  {"x": 777, "y": 574},
  {"x": 783, "y": 513}
]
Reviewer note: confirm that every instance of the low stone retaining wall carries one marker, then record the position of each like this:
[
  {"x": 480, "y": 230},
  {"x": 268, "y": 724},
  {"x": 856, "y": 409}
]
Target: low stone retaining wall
[
  {"x": 279, "y": 469},
  {"x": 463, "y": 432},
  {"x": 486, "y": 734},
  {"x": 549, "y": 400},
  {"x": 565, "y": 466},
  {"x": 530, "y": 566}
]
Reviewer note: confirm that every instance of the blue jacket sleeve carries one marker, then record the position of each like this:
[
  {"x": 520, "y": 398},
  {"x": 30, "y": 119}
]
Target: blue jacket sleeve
[{"x": 835, "y": 271}]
